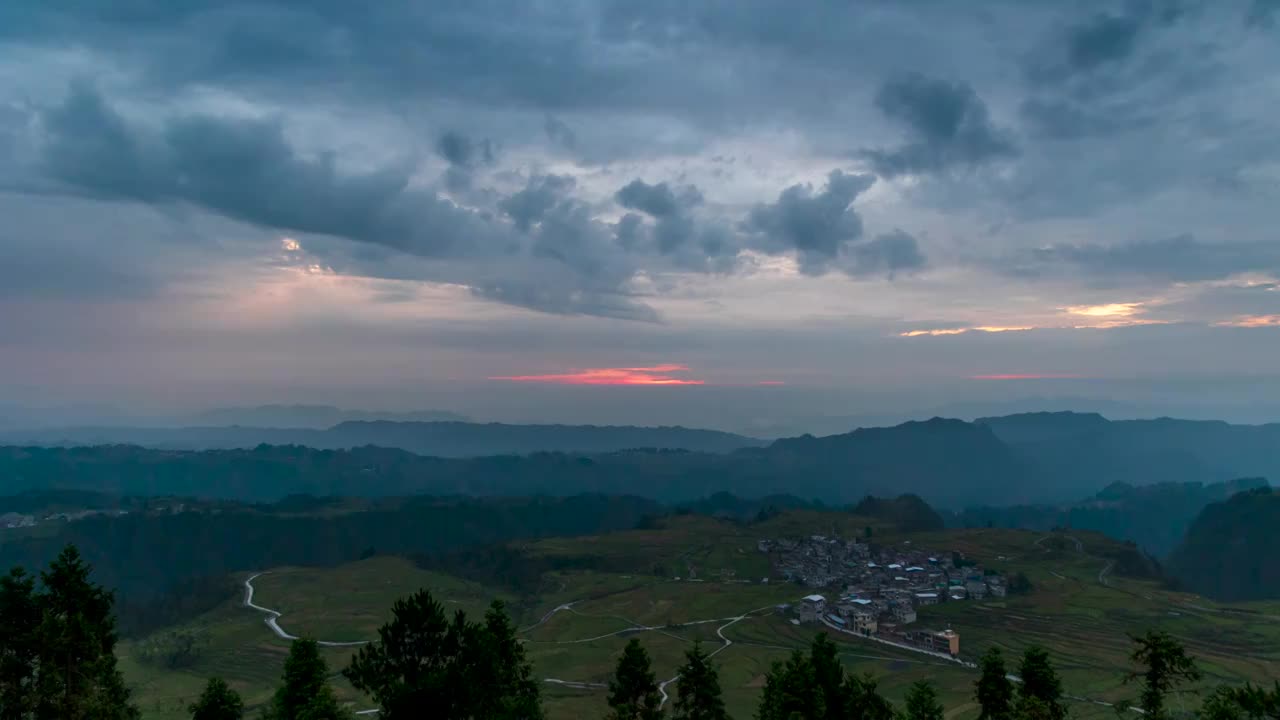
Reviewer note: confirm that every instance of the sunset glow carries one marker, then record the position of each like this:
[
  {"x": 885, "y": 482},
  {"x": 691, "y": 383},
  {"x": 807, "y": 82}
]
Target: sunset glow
[
  {"x": 961, "y": 331},
  {"x": 656, "y": 375},
  {"x": 1109, "y": 310},
  {"x": 1252, "y": 321}
]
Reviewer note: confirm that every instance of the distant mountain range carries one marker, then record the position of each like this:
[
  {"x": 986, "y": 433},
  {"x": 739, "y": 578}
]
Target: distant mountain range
[
  {"x": 316, "y": 417},
  {"x": 439, "y": 439},
  {"x": 1039, "y": 458}
]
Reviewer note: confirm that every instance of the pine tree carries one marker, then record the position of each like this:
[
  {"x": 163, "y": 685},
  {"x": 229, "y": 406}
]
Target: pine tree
[
  {"x": 458, "y": 668},
  {"x": 19, "y": 617},
  {"x": 511, "y": 692},
  {"x": 791, "y": 692},
  {"x": 414, "y": 663},
  {"x": 863, "y": 700},
  {"x": 698, "y": 689},
  {"x": 633, "y": 691},
  {"x": 1165, "y": 665},
  {"x": 305, "y": 693},
  {"x": 1041, "y": 688},
  {"x": 828, "y": 673},
  {"x": 921, "y": 702},
  {"x": 994, "y": 690},
  {"x": 217, "y": 702},
  {"x": 77, "y": 676}
]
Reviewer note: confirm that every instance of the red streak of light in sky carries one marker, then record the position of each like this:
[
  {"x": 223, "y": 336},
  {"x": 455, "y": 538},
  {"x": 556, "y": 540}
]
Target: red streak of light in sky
[{"x": 656, "y": 375}]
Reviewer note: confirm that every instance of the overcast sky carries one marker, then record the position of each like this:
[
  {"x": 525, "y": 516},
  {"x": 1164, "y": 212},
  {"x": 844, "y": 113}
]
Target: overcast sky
[{"x": 790, "y": 208}]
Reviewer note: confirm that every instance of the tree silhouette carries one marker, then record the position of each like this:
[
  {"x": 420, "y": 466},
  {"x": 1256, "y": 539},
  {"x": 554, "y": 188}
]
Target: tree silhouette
[
  {"x": 76, "y": 674},
  {"x": 305, "y": 693},
  {"x": 217, "y": 702},
  {"x": 633, "y": 690},
  {"x": 19, "y": 617},
  {"x": 994, "y": 690},
  {"x": 1164, "y": 665},
  {"x": 828, "y": 673},
  {"x": 698, "y": 689},
  {"x": 790, "y": 691},
  {"x": 455, "y": 667},
  {"x": 1041, "y": 690},
  {"x": 921, "y": 702}
]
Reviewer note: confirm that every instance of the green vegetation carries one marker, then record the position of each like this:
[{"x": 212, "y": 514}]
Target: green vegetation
[
  {"x": 633, "y": 690},
  {"x": 58, "y": 650},
  {"x": 457, "y": 668},
  {"x": 304, "y": 692},
  {"x": 218, "y": 702},
  {"x": 1232, "y": 551},
  {"x": 922, "y": 702},
  {"x": 994, "y": 690},
  {"x": 698, "y": 695},
  {"x": 1155, "y": 517}
]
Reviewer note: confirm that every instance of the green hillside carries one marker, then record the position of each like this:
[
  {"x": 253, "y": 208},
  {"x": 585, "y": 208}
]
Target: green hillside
[{"x": 577, "y": 619}]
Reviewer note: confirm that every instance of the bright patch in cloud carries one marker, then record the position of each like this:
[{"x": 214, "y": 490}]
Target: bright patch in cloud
[
  {"x": 1251, "y": 321},
  {"x": 1128, "y": 309},
  {"x": 961, "y": 331},
  {"x": 656, "y": 375},
  {"x": 288, "y": 244}
]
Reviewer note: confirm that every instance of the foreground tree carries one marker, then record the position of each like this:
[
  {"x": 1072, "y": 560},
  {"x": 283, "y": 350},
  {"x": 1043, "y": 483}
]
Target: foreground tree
[
  {"x": 1164, "y": 665},
  {"x": 698, "y": 689},
  {"x": 19, "y": 617},
  {"x": 1040, "y": 694},
  {"x": 633, "y": 690},
  {"x": 305, "y": 693},
  {"x": 511, "y": 692},
  {"x": 829, "y": 675},
  {"x": 921, "y": 702},
  {"x": 455, "y": 667},
  {"x": 994, "y": 690},
  {"x": 863, "y": 700},
  {"x": 791, "y": 692},
  {"x": 217, "y": 702},
  {"x": 76, "y": 677}
]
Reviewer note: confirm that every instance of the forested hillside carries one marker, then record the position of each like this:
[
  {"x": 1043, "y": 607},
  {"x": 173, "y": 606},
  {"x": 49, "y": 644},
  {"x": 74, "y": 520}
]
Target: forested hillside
[
  {"x": 1232, "y": 551},
  {"x": 1156, "y": 517}
]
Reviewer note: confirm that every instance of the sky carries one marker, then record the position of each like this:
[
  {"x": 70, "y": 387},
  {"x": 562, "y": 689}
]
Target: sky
[{"x": 734, "y": 213}]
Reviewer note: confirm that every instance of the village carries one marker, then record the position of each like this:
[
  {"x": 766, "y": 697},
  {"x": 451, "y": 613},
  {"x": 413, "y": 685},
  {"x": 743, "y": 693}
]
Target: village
[{"x": 875, "y": 591}]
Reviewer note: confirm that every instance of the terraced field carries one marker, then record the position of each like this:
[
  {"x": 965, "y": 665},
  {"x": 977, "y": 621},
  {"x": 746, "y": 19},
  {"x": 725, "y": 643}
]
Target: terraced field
[{"x": 577, "y": 624}]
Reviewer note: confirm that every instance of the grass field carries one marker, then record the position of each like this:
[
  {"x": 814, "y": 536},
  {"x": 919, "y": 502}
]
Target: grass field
[{"x": 1080, "y": 613}]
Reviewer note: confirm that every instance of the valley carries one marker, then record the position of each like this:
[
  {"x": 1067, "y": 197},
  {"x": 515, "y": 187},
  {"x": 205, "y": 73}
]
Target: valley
[{"x": 577, "y": 620}]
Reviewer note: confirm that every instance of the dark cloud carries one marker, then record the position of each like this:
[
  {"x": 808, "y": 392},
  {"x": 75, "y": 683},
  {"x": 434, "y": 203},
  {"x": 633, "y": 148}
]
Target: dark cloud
[
  {"x": 461, "y": 150},
  {"x": 656, "y": 200},
  {"x": 886, "y": 254},
  {"x": 948, "y": 123},
  {"x": 816, "y": 225},
  {"x": 526, "y": 207},
  {"x": 1181, "y": 258},
  {"x": 675, "y": 232},
  {"x": 247, "y": 170},
  {"x": 1103, "y": 39}
]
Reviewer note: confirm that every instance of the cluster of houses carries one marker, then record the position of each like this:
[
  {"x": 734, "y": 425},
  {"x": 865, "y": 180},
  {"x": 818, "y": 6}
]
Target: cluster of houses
[
  {"x": 876, "y": 590},
  {"x": 12, "y": 520}
]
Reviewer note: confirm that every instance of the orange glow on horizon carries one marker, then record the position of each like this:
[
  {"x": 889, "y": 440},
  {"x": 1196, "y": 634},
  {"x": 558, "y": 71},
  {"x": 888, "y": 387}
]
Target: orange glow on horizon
[
  {"x": 1251, "y": 321},
  {"x": 655, "y": 375}
]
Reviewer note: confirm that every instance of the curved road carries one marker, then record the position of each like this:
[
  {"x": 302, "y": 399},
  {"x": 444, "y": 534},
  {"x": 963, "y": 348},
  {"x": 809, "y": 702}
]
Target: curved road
[{"x": 273, "y": 617}]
